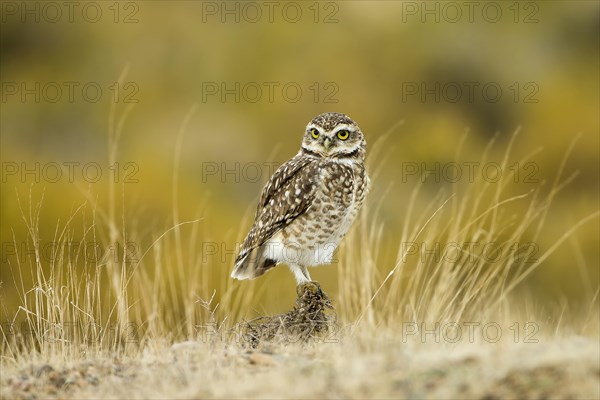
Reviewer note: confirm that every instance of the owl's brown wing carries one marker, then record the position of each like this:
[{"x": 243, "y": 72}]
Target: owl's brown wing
[{"x": 287, "y": 195}]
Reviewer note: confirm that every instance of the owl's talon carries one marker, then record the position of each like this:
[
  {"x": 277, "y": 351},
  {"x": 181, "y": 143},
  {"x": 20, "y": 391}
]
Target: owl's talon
[{"x": 313, "y": 287}]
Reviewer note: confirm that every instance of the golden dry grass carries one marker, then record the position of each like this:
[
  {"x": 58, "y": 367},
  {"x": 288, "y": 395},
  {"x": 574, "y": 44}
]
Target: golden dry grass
[{"x": 420, "y": 327}]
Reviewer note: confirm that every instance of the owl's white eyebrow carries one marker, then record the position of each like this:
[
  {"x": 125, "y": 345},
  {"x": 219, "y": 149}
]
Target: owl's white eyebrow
[
  {"x": 342, "y": 127},
  {"x": 337, "y": 128}
]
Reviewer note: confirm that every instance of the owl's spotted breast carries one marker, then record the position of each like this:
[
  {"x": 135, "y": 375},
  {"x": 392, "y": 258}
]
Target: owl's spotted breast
[{"x": 312, "y": 238}]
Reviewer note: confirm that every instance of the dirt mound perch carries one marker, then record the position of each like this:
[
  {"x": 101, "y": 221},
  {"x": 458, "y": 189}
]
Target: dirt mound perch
[{"x": 312, "y": 318}]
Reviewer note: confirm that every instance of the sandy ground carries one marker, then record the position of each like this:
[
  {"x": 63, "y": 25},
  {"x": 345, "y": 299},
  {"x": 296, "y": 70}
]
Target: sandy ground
[{"x": 366, "y": 367}]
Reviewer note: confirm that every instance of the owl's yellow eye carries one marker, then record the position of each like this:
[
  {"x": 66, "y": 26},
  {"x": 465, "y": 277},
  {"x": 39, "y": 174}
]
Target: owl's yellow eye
[
  {"x": 343, "y": 134},
  {"x": 315, "y": 133}
]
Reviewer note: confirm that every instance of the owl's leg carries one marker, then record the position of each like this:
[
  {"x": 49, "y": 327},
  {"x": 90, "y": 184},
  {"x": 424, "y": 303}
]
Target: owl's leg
[
  {"x": 300, "y": 273},
  {"x": 305, "y": 273}
]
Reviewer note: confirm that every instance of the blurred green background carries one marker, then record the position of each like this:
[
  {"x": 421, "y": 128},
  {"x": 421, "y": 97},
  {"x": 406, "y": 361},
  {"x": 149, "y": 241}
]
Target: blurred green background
[{"x": 378, "y": 62}]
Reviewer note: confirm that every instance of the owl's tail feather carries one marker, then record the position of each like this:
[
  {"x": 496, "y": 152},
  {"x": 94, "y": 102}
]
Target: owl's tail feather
[{"x": 252, "y": 265}]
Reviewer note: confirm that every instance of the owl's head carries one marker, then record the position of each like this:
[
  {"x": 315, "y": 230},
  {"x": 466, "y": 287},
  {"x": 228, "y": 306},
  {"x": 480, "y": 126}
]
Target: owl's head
[{"x": 334, "y": 135}]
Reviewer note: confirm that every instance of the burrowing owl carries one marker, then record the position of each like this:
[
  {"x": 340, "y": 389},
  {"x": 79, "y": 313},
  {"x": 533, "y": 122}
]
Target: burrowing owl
[{"x": 309, "y": 203}]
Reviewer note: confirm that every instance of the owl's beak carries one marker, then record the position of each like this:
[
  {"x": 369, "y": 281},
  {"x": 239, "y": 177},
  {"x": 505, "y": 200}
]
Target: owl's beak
[{"x": 327, "y": 144}]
